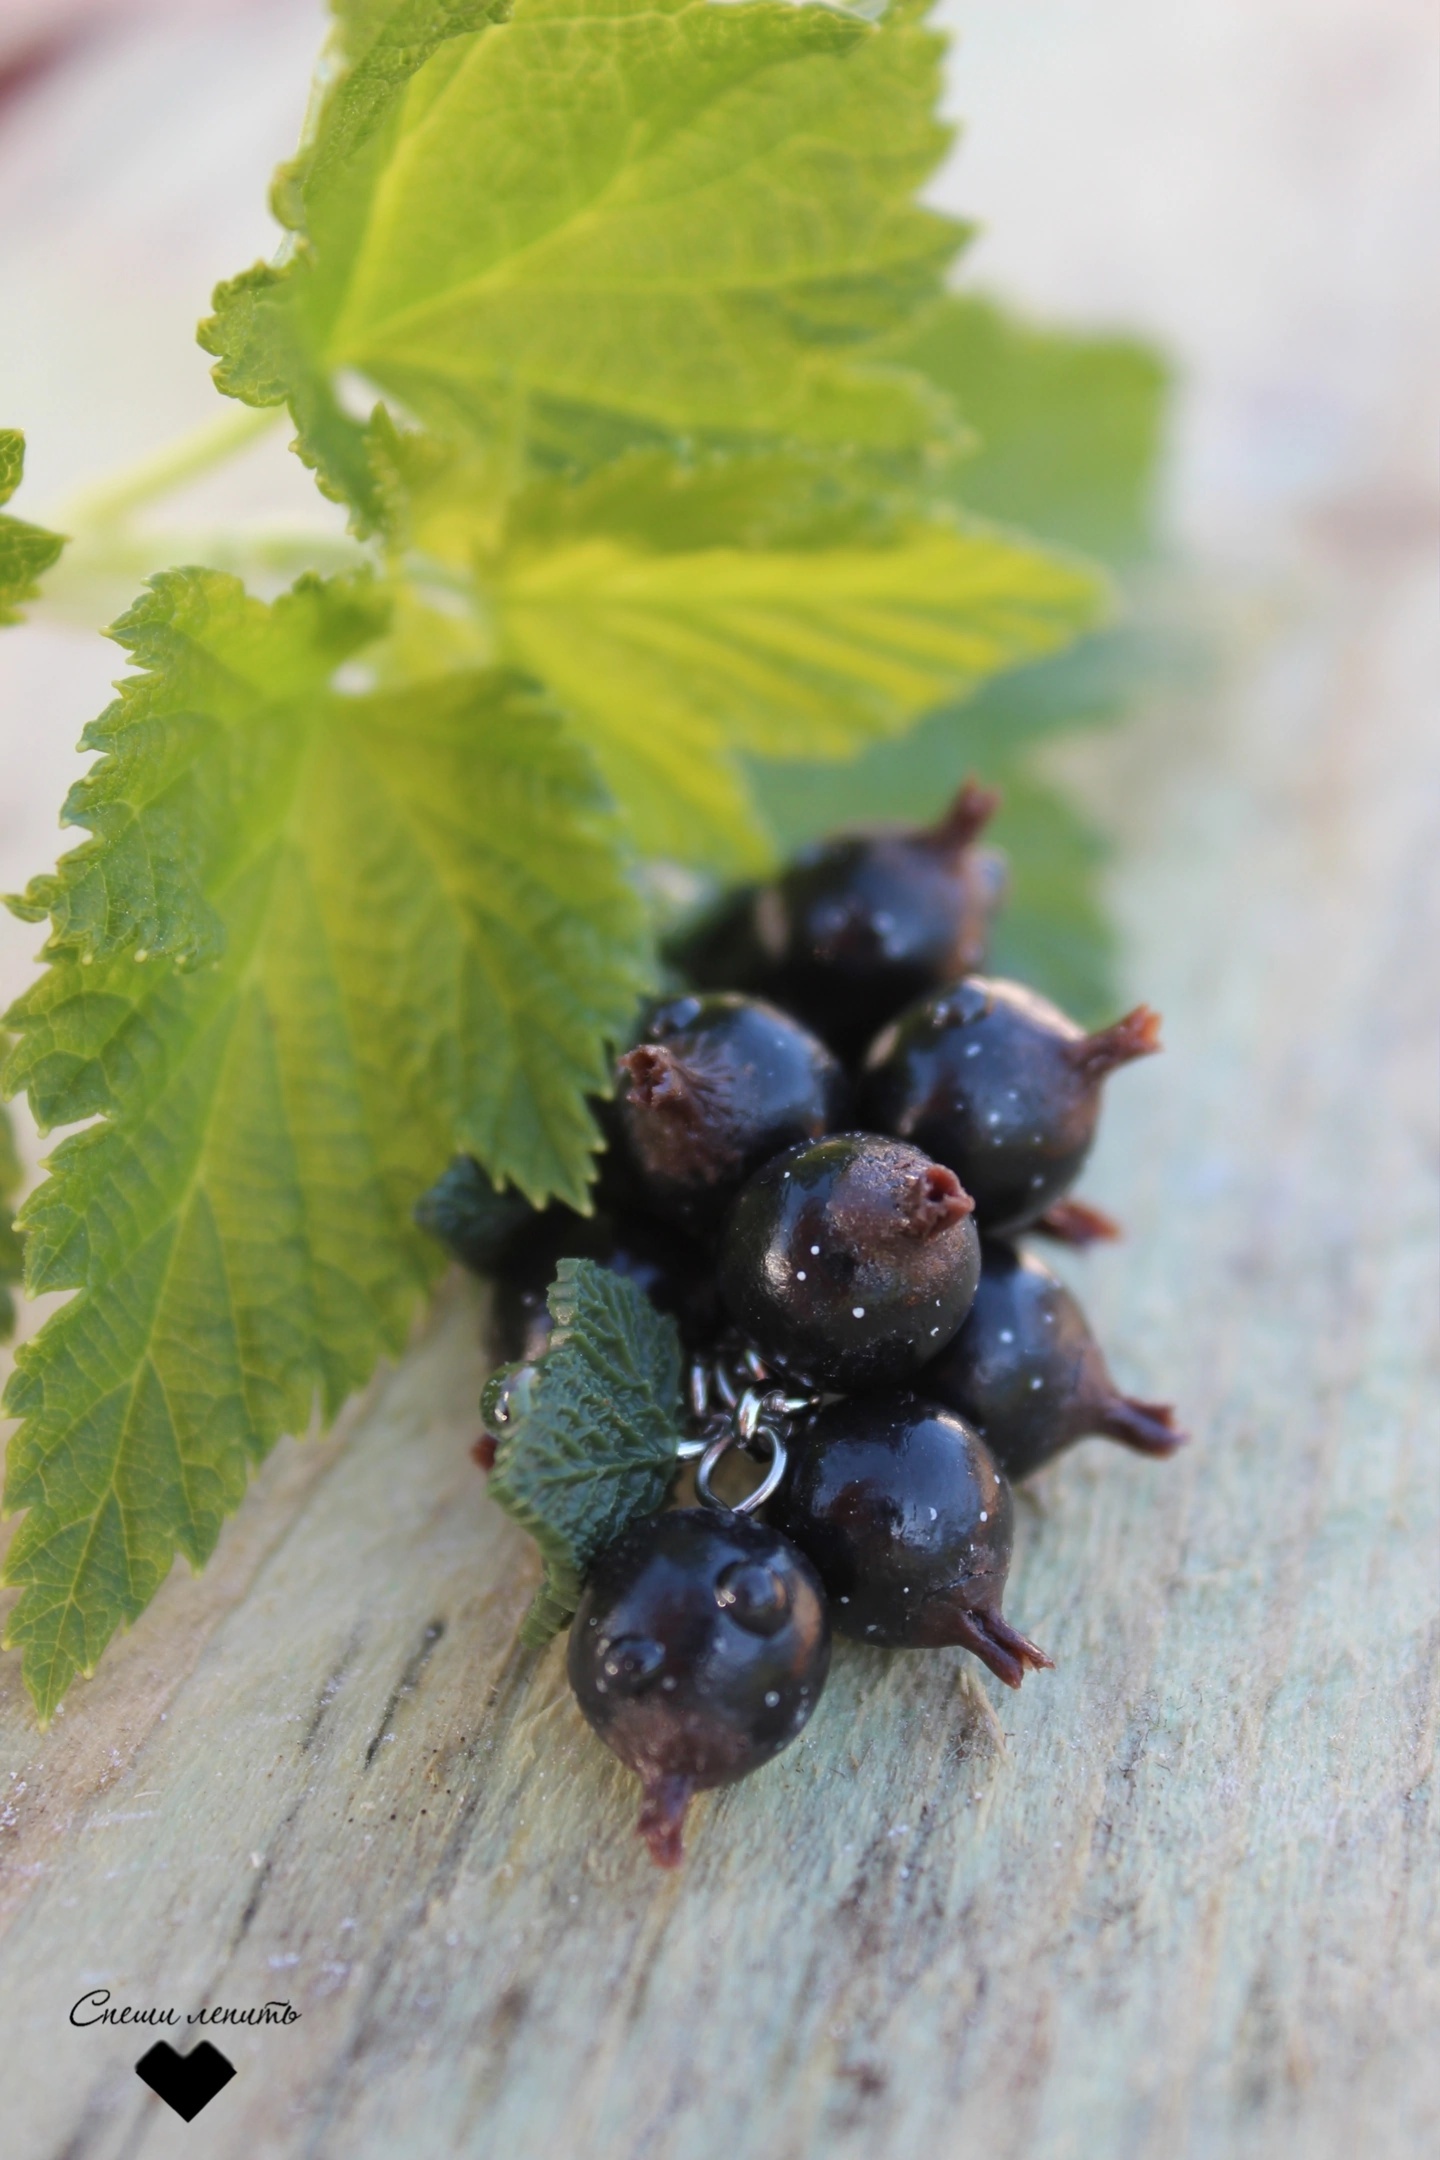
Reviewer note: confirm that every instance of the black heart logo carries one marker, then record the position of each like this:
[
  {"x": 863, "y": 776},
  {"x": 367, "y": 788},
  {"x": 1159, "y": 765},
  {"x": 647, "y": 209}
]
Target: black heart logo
[{"x": 186, "y": 2083}]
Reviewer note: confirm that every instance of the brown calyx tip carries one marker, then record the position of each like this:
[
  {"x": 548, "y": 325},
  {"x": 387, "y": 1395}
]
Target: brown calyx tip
[
  {"x": 1075, "y": 1222},
  {"x": 1008, "y": 1654},
  {"x": 1148, "y": 1427},
  {"x": 662, "y": 1819},
  {"x": 1136, "y": 1036},
  {"x": 966, "y": 818},
  {"x": 482, "y": 1451},
  {"x": 936, "y": 1201},
  {"x": 657, "y": 1079}
]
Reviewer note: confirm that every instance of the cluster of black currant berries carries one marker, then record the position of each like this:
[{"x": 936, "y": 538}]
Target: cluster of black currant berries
[{"x": 821, "y": 1155}]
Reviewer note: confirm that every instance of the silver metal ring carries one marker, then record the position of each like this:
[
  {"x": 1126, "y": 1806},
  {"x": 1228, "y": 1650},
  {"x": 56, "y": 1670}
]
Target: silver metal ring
[
  {"x": 710, "y": 1460},
  {"x": 690, "y": 1450}
]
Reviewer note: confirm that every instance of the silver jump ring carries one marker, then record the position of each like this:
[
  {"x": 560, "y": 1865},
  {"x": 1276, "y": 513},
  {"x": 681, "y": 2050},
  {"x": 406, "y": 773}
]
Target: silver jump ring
[{"x": 710, "y": 1460}]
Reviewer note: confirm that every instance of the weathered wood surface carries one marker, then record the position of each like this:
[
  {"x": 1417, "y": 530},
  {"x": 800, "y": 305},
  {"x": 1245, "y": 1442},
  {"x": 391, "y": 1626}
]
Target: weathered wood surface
[{"x": 1177, "y": 1898}]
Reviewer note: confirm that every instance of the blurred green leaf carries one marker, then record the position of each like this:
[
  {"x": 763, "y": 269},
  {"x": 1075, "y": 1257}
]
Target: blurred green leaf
[
  {"x": 1068, "y": 425},
  {"x": 25, "y": 550}
]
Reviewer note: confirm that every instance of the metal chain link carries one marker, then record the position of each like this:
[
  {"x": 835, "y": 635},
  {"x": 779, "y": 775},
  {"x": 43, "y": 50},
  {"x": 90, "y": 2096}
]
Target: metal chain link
[{"x": 734, "y": 1403}]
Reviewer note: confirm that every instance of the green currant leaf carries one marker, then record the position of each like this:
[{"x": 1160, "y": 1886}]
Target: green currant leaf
[
  {"x": 685, "y": 613},
  {"x": 12, "y": 1252},
  {"x": 25, "y": 550},
  {"x": 587, "y": 1438},
  {"x": 1067, "y": 426},
  {"x": 319, "y": 941},
  {"x": 586, "y": 225}
]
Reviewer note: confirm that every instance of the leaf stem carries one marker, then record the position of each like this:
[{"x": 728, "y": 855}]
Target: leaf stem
[{"x": 112, "y": 500}]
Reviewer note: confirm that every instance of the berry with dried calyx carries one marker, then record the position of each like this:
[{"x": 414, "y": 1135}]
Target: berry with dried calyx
[
  {"x": 698, "y": 1652},
  {"x": 848, "y": 1262},
  {"x": 712, "y": 1089},
  {"x": 860, "y": 925},
  {"x": 998, "y": 1083},
  {"x": 908, "y": 1521},
  {"x": 1028, "y": 1374}
]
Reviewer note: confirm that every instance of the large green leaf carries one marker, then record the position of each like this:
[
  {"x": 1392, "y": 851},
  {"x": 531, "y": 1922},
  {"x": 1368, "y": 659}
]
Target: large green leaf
[
  {"x": 318, "y": 942},
  {"x": 688, "y": 613},
  {"x": 25, "y": 550},
  {"x": 12, "y": 1252},
  {"x": 1067, "y": 425},
  {"x": 586, "y": 223}
]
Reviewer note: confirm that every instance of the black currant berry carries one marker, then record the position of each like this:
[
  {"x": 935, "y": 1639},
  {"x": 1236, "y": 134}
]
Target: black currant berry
[
  {"x": 997, "y": 1082},
  {"x": 1028, "y": 1374},
  {"x": 676, "y": 1275},
  {"x": 908, "y": 1522},
  {"x": 713, "y": 1088},
  {"x": 699, "y": 1651},
  {"x": 859, "y": 926},
  {"x": 850, "y": 1261}
]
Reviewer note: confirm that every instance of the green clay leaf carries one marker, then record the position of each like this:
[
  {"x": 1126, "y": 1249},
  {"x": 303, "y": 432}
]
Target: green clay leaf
[
  {"x": 319, "y": 941},
  {"x": 470, "y": 1216},
  {"x": 588, "y": 1440}
]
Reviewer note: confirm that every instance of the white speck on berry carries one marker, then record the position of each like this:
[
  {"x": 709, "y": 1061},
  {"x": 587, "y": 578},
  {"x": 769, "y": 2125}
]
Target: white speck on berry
[
  {"x": 857, "y": 1312},
  {"x": 772, "y": 1698}
]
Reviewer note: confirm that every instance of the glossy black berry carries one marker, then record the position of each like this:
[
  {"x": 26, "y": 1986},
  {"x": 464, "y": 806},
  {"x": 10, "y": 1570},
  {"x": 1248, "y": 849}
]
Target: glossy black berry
[
  {"x": 850, "y": 1261},
  {"x": 1028, "y": 1374},
  {"x": 908, "y": 1520},
  {"x": 714, "y": 1087},
  {"x": 992, "y": 1079},
  {"x": 676, "y": 1275},
  {"x": 859, "y": 926},
  {"x": 699, "y": 1651}
]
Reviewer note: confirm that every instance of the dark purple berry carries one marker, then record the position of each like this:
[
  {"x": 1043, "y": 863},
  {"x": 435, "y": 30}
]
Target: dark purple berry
[
  {"x": 908, "y": 1521},
  {"x": 675, "y": 1274},
  {"x": 859, "y": 926},
  {"x": 1028, "y": 1374},
  {"x": 850, "y": 1261},
  {"x": 997, "y": 1082},
  {"x": 699, "y": 1651},
  {"x": 713, "y": 1088}
]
